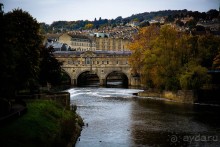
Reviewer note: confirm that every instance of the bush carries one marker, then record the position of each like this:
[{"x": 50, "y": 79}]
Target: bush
[{"x": 194, "y": 78}]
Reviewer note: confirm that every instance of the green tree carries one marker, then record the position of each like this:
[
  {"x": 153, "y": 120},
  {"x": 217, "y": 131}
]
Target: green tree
[
  {"x": 168, "y": 57},
  {"x": 193, "y": 76},
  {"x": 20, "y": 52},
  {"x": 208, "y": 48},
  {"x": 191, "y": 23}
]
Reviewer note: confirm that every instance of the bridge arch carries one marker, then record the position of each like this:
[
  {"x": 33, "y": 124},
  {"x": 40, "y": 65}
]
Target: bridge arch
[
  {"x": 86, "y": 78},
  {"x": 117, "y": 79},
  {"x": 66, "y": 77}
]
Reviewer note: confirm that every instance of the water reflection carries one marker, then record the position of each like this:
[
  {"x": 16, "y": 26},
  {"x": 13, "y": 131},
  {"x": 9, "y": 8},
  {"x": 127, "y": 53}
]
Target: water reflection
[
  {"x": 166, "y": 123},
  {"x": 116, "y": 118}
]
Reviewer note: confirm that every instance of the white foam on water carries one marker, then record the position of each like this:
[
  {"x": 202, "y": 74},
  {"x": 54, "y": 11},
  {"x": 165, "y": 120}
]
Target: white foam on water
[{"x": 104, "y": 92}]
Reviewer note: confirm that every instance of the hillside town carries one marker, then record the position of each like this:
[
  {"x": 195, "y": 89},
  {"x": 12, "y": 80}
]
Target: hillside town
[
  {"x": 105, "y": 39},
  {"x": 117, "y": 38}
]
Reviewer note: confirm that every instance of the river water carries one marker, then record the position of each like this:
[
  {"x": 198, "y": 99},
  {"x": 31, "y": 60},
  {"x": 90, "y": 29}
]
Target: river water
[{"x": 114, "y": 117}]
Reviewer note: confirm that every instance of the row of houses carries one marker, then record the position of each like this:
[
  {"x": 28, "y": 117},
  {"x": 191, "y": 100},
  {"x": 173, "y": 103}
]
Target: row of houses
[{"x": 91, "y": 42}]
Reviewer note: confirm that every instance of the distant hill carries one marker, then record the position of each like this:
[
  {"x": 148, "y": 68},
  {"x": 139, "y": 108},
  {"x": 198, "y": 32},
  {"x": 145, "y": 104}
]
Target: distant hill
[{"x": 168, "y": 15}]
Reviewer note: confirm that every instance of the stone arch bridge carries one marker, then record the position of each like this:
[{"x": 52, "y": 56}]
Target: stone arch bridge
[{"x": 101, "y": 63}]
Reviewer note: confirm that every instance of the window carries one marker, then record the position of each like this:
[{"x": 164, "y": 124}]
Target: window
[
  {"x": 70, "y": 62},
  {"x": 88, "y": 60}
]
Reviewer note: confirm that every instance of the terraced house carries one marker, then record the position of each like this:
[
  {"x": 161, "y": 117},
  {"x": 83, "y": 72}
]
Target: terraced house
[
  {"x": 108, "y": 43},
  {"x": 92, "y": 42},
  {"x": 78, "y": 42}
]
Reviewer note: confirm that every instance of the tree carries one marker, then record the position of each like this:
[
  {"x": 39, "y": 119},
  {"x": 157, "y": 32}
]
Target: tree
[
  {"x": 216, "y": 61},
  {"x": 169, "y": 46},
  {"x": 193, "y": 76},
  {"x": 170, "y": 60},
  {"x": 50, "y": 67},
  {"x": 212, "y": 14},
  {"x": 208, "y": 48},
  {"x": 89, "y": 26},
  {"x": 191, "y": 23},
  {"x": 44, "y": 28},
  {"x": 20, "y": 52},
  {"x": 179, "y": 23},
  {"x": 142, "y": 50},
  {"x": 170, "y": 19},
  {"x": 144, "y": 24},
  {"x": 118, "y": 19}
]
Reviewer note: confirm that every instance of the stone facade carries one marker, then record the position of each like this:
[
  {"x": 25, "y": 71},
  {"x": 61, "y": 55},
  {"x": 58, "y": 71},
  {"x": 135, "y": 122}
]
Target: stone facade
[
  {"x": 78, "y": 42},
  {"x": 89, "y": 43},
  {"x": 100, "y": 63},
  {"x": 112, "y": 44}
]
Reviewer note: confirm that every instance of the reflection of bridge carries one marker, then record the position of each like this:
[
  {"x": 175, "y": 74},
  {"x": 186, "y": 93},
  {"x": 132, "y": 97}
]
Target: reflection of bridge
[{"x": 100, "y": 63}]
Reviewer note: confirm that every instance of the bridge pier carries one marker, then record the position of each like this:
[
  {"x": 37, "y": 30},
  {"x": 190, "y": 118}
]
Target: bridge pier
[
  {"x": 102, "y": 82},
  {"x": 73, "y": 82}
]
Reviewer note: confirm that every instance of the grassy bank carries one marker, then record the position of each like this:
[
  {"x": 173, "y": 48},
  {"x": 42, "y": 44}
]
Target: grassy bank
[{"x": 46, "y": 123}]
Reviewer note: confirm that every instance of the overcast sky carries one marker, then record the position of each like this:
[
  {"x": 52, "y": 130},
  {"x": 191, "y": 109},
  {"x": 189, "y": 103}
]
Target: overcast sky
[{"x": 54, "y": 10}]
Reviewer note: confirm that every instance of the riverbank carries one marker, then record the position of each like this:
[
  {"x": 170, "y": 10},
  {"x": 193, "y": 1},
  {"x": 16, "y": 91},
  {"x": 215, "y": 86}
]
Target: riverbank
[
  {"x": 46, "y": 123},
  {"x": 186, "y": 96},
  {"x": 183, "y": 96}
]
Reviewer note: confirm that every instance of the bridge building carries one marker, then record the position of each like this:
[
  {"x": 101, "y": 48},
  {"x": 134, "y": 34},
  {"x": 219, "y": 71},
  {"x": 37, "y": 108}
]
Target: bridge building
[
  {"x": 101, "y": 64},
  {"x": 95, "y": 56}
]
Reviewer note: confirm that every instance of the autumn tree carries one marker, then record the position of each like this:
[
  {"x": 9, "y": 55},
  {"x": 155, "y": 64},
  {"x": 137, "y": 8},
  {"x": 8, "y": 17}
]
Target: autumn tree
[
  {"x": 167, "y": 59},
  {"x": 216, "y": 62},
  {"x": 141, "y": 47},
  {"x": 89, "y": 26}
]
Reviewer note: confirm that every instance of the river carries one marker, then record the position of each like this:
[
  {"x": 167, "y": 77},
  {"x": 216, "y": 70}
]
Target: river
[{"x": 114, "y": 117}]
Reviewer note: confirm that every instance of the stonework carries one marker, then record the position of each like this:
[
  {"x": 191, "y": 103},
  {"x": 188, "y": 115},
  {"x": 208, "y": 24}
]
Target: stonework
[
  {"x": 100, "y": 63},
  {"x": 89, "y": 43}
]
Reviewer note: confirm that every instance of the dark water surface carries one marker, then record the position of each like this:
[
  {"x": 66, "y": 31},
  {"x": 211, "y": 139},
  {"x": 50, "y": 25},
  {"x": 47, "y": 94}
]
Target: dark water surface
[{"x": 116, "y": 118}]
